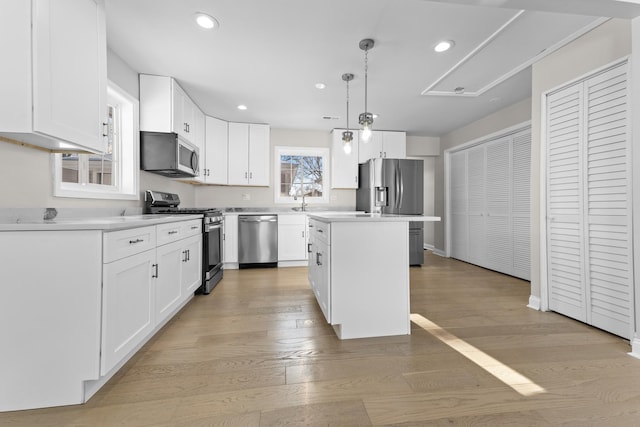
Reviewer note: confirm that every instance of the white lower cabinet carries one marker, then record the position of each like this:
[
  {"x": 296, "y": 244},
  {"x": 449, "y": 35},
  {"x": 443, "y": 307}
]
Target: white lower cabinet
[
  {"x": 319, "y": 265},
  {"x": 292, "y": 237},
  {"x": 127, "y": 316},
  {"x": 144, "y": 289},
  {"x": 230, "y": 244}
]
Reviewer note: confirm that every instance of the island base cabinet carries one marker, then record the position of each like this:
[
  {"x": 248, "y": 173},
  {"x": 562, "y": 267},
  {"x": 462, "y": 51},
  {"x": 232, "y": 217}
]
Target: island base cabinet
[
  {"x": 369, "y": 279},
  {"x": 49, "y": 317},
  {"x": 359, "y": 273}
]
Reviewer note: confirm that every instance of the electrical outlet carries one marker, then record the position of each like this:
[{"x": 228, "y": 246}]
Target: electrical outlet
[{"x": 246, "y": 196}]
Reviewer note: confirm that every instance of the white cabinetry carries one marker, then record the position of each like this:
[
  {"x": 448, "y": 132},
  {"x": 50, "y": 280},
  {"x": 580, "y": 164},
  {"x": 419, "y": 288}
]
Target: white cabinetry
[
  {"x": 230, "y": 246},
  {"x": 362, "y": 291},
  {"x": 146, "y": 271},
  {"x": 384, "y": 144},
  {"x": 54, "y": 81},
  {"x": 216, "y": 152},
  {"x": 248, "y": 152},
  {"x": 344, "y": 167},
  {"x": 319, "y": 267},
  {"x": 165, "y": 107},
  {"x": 292, "y": 237},
  {"x": 49, "y": 316}
]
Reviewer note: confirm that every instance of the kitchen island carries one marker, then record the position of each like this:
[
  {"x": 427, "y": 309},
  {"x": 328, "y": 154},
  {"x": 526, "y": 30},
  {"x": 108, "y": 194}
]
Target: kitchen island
[{"x": 359, "y": 272}]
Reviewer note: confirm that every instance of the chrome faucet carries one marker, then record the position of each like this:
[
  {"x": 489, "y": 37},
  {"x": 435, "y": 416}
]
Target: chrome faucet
[{"x": 304, "y": 205}]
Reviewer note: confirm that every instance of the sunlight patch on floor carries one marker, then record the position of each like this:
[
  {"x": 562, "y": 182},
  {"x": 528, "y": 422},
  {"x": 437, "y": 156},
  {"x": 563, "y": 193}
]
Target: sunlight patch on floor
[{"x": 510, "y": 377}]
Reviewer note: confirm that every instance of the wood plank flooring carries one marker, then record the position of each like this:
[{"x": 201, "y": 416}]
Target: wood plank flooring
[{"x": 257, "y": 352}]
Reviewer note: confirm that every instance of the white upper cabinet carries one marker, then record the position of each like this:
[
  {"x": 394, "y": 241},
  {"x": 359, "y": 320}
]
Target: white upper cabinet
[
  {"x": 384, "y": 144},
  {"x": 165, "y": 107},
  {"x": 248, "y": 154},
  {"x": 54, "y": 84},
  {"x": 215, "y": 163},
  {"x": 344, "y": 167}
]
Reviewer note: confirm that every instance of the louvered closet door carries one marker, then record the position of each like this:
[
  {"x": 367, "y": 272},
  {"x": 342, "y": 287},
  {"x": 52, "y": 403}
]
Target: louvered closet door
[
  {"x": 458, "y": 188},
  {"x": 608, "y": 212},
  {"x": 521, "y": 204},
  {"x": 565, "y": 265},
  {"x": 498, "y": 222},
  {"x": 476, "y": 168}
]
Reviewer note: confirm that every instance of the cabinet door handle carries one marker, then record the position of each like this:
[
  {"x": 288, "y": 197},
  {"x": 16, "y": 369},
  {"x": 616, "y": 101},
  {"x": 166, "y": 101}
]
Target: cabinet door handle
[
  {"x": 385, "y": 154},
  {"x": 318, "y": 255},
  {"x": 156, "y": 268},
  {"x": 105, "y": 129},
  {"x": 303, "y": 234},
  {"x": 246, "y": 175},
  {"x": 194, "y": 227},
  {"x": 250, "y": 175},
  {"x": 309, "y": 248},
  {"x": 381, "y": 154},
  {"x": 133, "y": 242},
  {"x": 188, "y": 255}
]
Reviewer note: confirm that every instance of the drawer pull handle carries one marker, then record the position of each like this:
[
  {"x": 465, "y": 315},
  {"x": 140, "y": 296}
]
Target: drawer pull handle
[
  {"x": 194, "y": 227},
  {"x": 172, "y": 232},
  {"x": 133, "y": 242}
]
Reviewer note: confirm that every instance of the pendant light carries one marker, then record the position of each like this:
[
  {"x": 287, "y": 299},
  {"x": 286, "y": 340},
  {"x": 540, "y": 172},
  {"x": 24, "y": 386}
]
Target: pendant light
[
  {"x": 366, "y": 119},
  {"x": 347, "y": 135}
]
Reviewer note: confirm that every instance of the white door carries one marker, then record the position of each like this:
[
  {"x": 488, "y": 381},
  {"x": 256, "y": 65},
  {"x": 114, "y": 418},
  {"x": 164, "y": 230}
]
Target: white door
[
  {"x": 458, "y": 192},
  {"x": 476, "y": 204},
  {"x": 608, "y": 202},
  {"x": 589, "y": 247},
  {"x": 259, "y": 139},
  {"x": 521, "y": 204},
  {"x": 238, "y": 150},
  {"x": 498, "y": 220}
]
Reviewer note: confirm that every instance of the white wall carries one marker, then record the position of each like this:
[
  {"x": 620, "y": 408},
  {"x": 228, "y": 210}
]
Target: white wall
[{"x": 603, "y": 45}]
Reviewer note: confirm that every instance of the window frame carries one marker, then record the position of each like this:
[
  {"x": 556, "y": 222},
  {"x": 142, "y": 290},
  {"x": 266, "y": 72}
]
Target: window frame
[
  {"x": 301, "y": 151},
  {"x": 126, "y": 176}
]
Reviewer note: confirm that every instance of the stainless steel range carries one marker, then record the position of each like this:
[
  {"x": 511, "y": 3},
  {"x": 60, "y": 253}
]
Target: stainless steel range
[{"x": 158, "y": 202}]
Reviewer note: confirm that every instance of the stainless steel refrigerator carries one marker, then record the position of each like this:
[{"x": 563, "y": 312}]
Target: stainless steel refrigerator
[{"x": 394, "y": 186}]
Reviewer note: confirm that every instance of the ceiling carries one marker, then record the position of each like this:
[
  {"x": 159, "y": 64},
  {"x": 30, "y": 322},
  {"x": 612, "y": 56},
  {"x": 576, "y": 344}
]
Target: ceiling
[{"x": 269, "y": 54}]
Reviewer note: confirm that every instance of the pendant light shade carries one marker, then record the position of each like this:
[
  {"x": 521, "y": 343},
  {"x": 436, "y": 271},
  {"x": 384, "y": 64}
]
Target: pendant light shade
[
  {"x": 347, "y": 135},
  {"x": 366, "y": 119}
]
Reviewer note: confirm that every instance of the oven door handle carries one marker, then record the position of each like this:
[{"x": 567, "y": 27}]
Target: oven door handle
[{"x": 210, "y": 227}]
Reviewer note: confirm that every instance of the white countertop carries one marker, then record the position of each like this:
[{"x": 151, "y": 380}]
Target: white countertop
[
  {"x": 369, "y": 217},
  {"x": 111, "y": 223}
]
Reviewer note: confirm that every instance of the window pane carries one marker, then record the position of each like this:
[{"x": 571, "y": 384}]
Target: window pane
[
  {"x": 101, "y": 166},
  {"x": 70, "y": 164}
]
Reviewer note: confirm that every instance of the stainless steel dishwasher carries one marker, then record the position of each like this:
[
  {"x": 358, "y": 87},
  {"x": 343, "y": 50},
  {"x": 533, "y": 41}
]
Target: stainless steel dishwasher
[{"x": 257, "y": 241}]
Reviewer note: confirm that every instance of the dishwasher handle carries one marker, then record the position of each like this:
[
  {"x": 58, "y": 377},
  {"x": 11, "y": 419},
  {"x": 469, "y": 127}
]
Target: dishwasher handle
[{"x": 258, "y": 218}]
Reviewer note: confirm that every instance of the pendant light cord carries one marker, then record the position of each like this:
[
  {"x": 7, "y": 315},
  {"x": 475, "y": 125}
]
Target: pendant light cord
[{"x": 366, "y": 79}]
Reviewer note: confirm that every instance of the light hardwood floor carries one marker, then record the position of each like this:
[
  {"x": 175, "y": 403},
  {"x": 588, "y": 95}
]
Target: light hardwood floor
[{"x": 257, "y": 352}]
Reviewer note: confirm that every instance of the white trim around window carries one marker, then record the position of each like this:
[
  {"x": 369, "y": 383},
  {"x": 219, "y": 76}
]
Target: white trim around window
[
  {"x": 301, "y": 151},
  {"x": 126, "y": 158}
]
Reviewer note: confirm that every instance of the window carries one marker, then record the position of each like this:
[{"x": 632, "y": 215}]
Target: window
[
  {"x": 113, "y": 174},
  {"x": 301, "y": 171}
]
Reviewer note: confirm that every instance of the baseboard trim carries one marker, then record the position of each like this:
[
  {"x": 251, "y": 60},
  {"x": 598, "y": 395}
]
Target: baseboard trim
[
  {"x": 439, "y": 252},
  {"x": 428, "y": 247},
  {"x": 635, "y": 348},
  {"x": 534, "y": 302}
]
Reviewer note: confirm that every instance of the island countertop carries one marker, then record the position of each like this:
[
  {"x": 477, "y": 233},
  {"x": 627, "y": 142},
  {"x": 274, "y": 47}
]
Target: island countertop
[{"x": 369, "y": 217}]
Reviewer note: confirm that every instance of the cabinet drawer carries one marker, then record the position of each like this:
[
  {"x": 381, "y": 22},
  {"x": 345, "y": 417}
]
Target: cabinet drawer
[
  {"x": 120, "y": 244},
  {"x": 320, "y": 231},
  {"x": 170, "y": 232},
  {"x": 292, "y": 219},
  {"x": 191, "y": 228}
]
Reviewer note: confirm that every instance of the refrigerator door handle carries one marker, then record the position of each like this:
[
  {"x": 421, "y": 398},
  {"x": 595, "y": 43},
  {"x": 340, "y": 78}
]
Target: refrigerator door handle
[{"x": 401, "y": 180}]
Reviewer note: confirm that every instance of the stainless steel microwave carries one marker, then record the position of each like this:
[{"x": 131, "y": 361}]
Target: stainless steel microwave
[{"x": 168, "y": 154}]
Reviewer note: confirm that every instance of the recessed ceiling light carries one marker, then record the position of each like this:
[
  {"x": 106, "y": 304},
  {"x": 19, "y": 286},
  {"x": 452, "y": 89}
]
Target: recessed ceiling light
[
  {"x": 444, "y": 46},
  {"x": 242, "y": 107},
  {"x": 320, "y": 85},
  {"x": 205, "y": 21}
]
